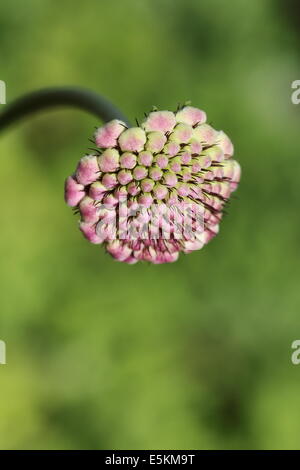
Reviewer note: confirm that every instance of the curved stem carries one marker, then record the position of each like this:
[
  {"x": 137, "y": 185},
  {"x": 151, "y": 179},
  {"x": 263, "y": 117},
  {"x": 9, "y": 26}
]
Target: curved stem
[{"x": 59, "y": 96}]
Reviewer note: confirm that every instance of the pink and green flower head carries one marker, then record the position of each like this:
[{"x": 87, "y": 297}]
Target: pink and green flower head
[{"x": 153, "y": 191}]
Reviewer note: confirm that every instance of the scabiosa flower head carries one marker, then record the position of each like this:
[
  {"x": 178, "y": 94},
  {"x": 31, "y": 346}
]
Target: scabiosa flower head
[{"x": 152, "y": 191}]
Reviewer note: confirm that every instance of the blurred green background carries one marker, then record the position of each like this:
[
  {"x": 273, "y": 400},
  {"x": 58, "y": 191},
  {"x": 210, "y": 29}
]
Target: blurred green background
[{"x": 195, "y": 354}]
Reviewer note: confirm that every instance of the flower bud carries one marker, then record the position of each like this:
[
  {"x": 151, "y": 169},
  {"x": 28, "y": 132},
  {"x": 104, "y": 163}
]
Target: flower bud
[
  {"x": 175, "y": 164},
  {"x": 186, "y": 157},
  {"x": 109, "y": 160},
  {"x": 186, "y": 174},
  {"x": 132, "y": 140},
  {"x": 109, "y": 200},
  {"x": 155, "y": 141},
  {"x": 87, "y": 170},
  {"x": 107, "y": 135},
  {"x": 124, "y": 177},
  {"x": 120, "y": 193},
  {"x": 137, "y": 196},
  {"x": 88, "y": 210},
  {"x": 74, "y": 192},
  {"x": 160, "y": 191},
  {"x": 128, "y": 160},
  {"x": 225, "y": 143},
  {"x": 215, "y": 153},
  {"x": 118, "y": 250},
  {"x": 147, "y": 185},
  {"x": 192, "y": 245},
  {"x": 196, "y": 146},
  {"x": 205, "y": 133},
  {"x": 171, "y": 148},
  {"x": 109, "y": 180},
  {"x": 96, "y": 190},
  {"x": 145, "y": 199},
  {"x": 182, "y": 133},
  {"x": 155, "y": 173},
  {"x": 89, "y": 232},
  {"x": 140, "y": 172},
  {"x": 190, "y": 115},
  {"x": 183, "y": 189},
  {"x": 133, "y": 188},
  {"x": 145, "y": 158},
  {"x": 170, "y": 179},
  {"x": 162, "y": 121},
  {"x": 162, "y": 160}
]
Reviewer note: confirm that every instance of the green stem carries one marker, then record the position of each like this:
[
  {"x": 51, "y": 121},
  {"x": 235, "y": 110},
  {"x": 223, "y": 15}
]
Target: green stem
[{"x": 56, "y": 97}]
